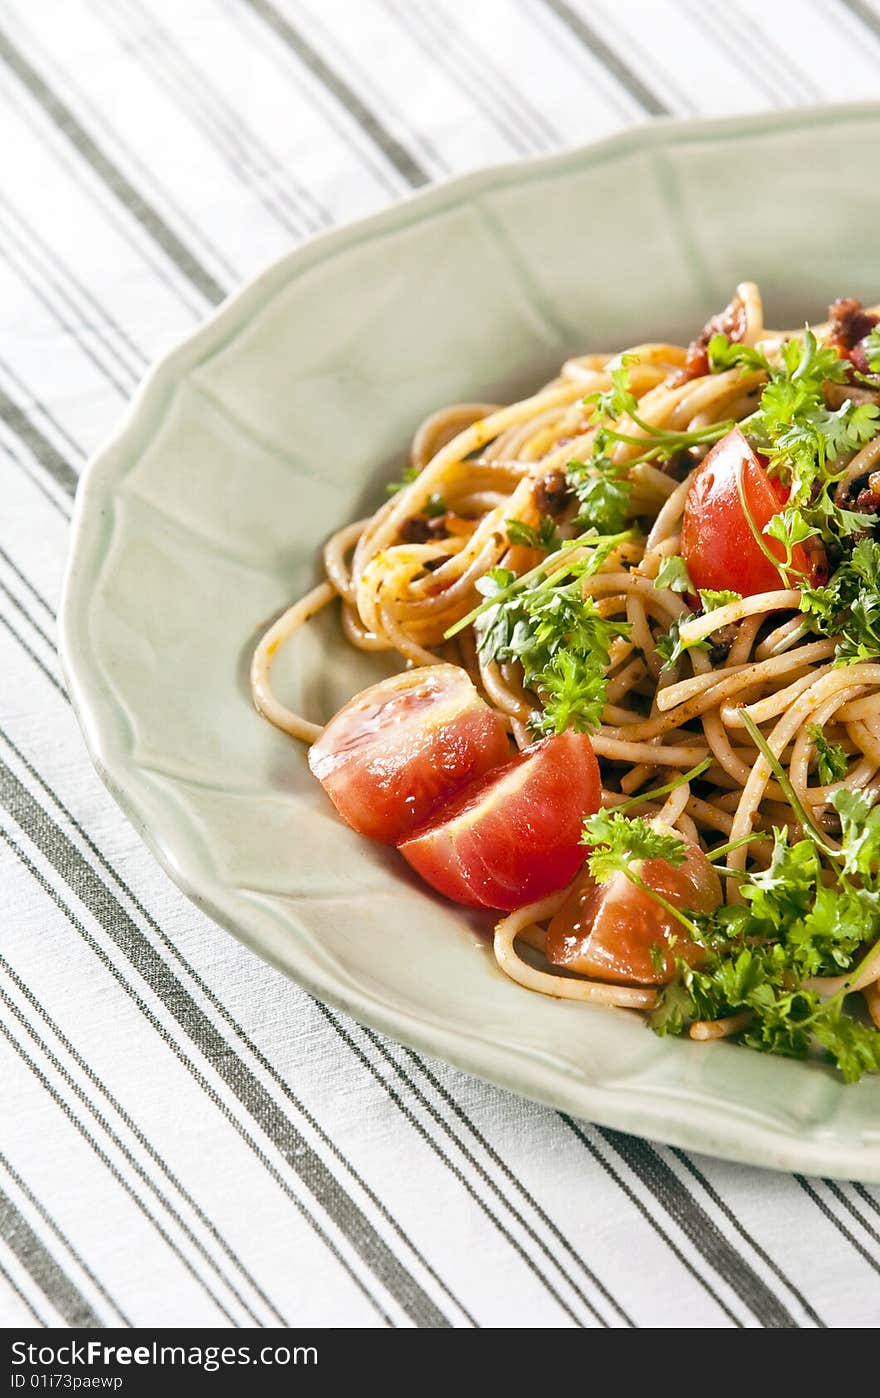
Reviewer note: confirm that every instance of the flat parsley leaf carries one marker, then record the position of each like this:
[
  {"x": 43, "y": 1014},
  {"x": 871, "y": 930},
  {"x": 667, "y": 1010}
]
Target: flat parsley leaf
[
  {"x": 409, "y": 475},
  {"x": 860, "y": 831},
  {"x": 545, "y": 537},
  {"x": 674, "y": 575},
  {"x": 831, "y": 759}
]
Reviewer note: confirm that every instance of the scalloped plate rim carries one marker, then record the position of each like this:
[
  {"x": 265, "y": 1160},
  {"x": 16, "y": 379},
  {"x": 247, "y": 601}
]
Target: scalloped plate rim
[{"x": 678, "y": 1120}]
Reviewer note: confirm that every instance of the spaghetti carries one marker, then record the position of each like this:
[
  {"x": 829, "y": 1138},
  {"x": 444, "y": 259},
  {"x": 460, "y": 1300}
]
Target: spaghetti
[{"x": 750, "y": 686}]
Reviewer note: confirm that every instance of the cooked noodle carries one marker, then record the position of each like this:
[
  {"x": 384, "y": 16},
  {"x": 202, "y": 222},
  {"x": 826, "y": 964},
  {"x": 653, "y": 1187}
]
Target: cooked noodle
[{"x": 403, "y": 589}]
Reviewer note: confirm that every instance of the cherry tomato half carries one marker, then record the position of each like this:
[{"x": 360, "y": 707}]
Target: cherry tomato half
[
  {"x": 606, "y": 931},
  {"x": 513, "y": 836},
  {"x": 717, "y": 542},
  {"x": 400, "y": 749}
]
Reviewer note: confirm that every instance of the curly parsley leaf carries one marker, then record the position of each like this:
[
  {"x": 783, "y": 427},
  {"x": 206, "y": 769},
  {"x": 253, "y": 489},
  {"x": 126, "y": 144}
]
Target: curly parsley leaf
[
  {"x": 573, "y": 695},
  {"x": 854, "y": 1046},
  {"x": 713, "y": 598},
  {"x": 786, "y": 888},
  {"x": 559, "y": 636},
  {"x": 602, "y": 488},
  {"x": 617, "y": 841},
  {"x": 803, "y": 438},
  {"x": 848, "y": 606},
  {"x": 759, "y": 959}
]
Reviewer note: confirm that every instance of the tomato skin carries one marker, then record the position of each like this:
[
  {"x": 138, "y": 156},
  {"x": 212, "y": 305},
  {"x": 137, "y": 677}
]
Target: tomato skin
[
  {"x": 606, "y": 931},
  {"x": 513, "y": 836},
  {"x": 717, "y": 544},
  {"x": 400, "y": 749}
]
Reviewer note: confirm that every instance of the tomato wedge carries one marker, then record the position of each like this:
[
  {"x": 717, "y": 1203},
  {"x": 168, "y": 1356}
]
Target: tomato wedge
[
  {"x": 717, "y": 543},
  {"x": 403, "y": 747},
  {"x": 606, "y": 931},
  {"x": 513, "y": 836}
]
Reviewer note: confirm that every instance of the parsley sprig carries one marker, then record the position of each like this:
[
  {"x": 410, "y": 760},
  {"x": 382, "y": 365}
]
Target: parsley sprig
[
  {"x": 545, "y": 536},
  {"x": 832, "y": 762},
  {"x": 604, "y": 486},
  {"x": 762, "y": 957},
  {"x": 848, "y": 606},
  {"x": 559, "y": 636},
  {"x": 802, "y": 436}
]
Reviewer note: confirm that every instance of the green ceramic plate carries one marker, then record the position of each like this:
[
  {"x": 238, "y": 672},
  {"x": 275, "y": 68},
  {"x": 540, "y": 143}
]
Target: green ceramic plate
[{"x": 278, "y": 421}]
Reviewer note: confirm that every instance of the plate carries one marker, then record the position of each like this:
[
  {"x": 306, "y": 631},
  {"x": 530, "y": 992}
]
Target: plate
[{"x": 280, "y": 419}]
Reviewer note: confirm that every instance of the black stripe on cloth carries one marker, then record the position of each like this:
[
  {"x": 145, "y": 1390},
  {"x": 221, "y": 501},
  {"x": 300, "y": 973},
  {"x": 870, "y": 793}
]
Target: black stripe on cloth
[
  {"x": 41, "y": 282},
  {"x": 86, "y": 1134},
  {"x": 868, "y": 1198},
  {"x": 701, "y": 1230},
  {"x": 609, "y": 58},
  {"x": 25, "y": 1301},
  {"x": 341, "y": 1032},
  {"x": 864, "y": 13},
  {"x": 109, "y": 172},
  {"x": 28, "y": 585},
  {"x": 452, "y": 42},
  {"x": 402, "y": 160},
  {"x": 578, "y": 1131},
  {"x": 21, "y": 390},
  {"x": 493, "y": 1186},
  {"x": 49, "y": 268},
  {"x": 249, "y": 159},
  {"x": 37, "y": 481},
  {"x": 5, "y": 622},
  {"x": 23, "y": 611},
  {"x": 111, "y": 915},
  {"x": 62, "y": 1238},
  {"x": 106, "y": 961},
  {"x": 753, "y": 1243},
  {"x": 58, "y": 1288},
  {"x": 773, "y": 78},
  {"x": 399, "y": 1071},
  {"x": 837, "y": 1222},
  {"x": 102, "y": 200},
  {"x": 839, "y": 1194},
  {"x": 139, "y": 1136},
  {"x": 38, "y": 444},
  {"x": 441, "y": 50},
  {"x": 438, "y": 1150},
  {"x": 458, "y": 1174},
  {"x": 561, "y": 1240},
  {"x": 202, "y": 986}
]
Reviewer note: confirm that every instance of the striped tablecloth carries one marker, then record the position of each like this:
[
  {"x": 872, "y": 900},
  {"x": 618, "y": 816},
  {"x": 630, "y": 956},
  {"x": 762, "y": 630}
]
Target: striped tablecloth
[{"x": 187, "y": 1137}]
